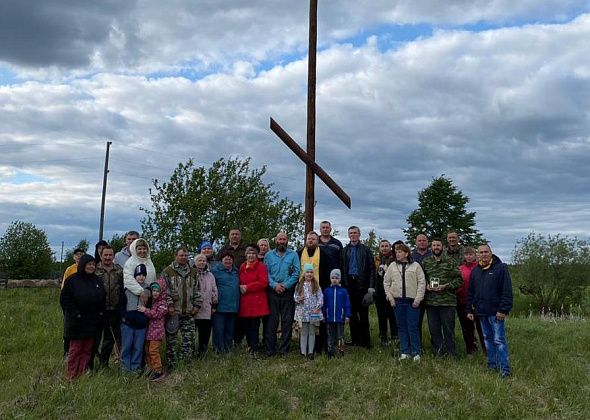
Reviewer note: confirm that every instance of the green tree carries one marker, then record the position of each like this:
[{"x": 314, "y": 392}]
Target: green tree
[
  {"x": 554, "y": 270},
  {"x": 441, "y": 208},
  {"x": 372, "y": 241},
  {"x": 198, "y": 203},
  {"x": 83, "y": 245},
  {"x": 25, "y": 252},
  {"x": 117, "y": 242}
]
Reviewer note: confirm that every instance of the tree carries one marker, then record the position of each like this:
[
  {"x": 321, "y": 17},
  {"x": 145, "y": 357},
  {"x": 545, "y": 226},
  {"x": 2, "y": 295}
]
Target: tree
[
  {"x": 83, "y": 245},
  {"x": 198, "y": 203},
  {"x": 25, "y": 252},
  {"x": 441, "y": 208},
  {"x": 372, "y": 241},
  {"x": 117, "y": 242},
  {"x": 554, "y": 270}
]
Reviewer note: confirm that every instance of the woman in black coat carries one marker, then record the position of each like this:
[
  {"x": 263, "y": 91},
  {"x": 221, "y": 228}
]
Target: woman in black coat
[{"x": 82, "y": 299}]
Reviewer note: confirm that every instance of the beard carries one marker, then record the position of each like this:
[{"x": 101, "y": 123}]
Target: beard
[
  {"x": 437, "y": 253},
  {"x": 281, "y": 248}
]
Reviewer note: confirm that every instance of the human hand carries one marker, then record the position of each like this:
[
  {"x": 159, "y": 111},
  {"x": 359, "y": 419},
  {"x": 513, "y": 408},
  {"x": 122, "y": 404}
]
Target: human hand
[
  {"x": 196, "y": 310},
  {"x": 346, "y": 320},
  {"x": 143, "y": 298},
  {"x": 500, "y": 316},
  {"x": 171, "y": 310},
  {"x": 243, "y": 288},
  {"x": 141, "y": 308},
  {"x": 470, "y": 317},
  {"x": 415, "y": 305},
  {"x": 279, "y": 288}
]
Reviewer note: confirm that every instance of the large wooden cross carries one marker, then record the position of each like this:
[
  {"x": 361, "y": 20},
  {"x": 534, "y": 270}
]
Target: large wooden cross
[{"x": 309, "y": 157}]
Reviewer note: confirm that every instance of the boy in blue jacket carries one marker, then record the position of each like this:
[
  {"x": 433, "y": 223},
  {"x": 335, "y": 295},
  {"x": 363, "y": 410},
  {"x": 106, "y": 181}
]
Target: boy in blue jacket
[{"x": 337, "y": 312}]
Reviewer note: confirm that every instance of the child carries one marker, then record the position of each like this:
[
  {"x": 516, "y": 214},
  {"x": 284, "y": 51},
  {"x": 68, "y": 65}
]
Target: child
[
  {"x": 308, "y": 312},
  {"x": 133, "y": 324},
  {"x": 155, "y": 333},
  {"x": 337, "y": 312}
]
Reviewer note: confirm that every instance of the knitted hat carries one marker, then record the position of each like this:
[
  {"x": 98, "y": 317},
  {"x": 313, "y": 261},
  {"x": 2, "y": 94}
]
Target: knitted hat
[
  {"x": 307, "y": 267},
  {"x": 335, "y": 273},
  {"x": 140, "y": 270},
  {"x": 205, "y": 244},
  {"x": 155, "y": 286}
]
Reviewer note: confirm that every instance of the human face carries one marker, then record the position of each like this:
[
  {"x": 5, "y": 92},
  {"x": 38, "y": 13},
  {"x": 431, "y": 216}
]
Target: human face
[
  {"x": 141, "y": 251},
  {"x": 200, "y": 261},
  {"x": 207, "y": 252},
  {"x": 263, "y": 245},
  {"x": 155, "y": 294},
  {"x": 235, "y": 236},
  {"x": 437, "y": 248},
  {"x": 484, "y": 254},
  {"x": 181, "y": 257},
  {"x": 130, "y": 238},
  {"x": 385, "y": 248},
  {"x": 77, "y": 257},
  {"x": 422, "y": 242},
  {"x": 334, "y": 280},
  {"x": 282, "y": 240},
  {"x": 90, "y": 267},
  {"x": 354, "y": 235},
  {"x": 469, "y": 257},
  {"x": 106, "y": 257},
  {"x": 251, "y": 254},
  {"x": 227, "y": 262},
  {"x": 99, "y": 249},
  {"x": 453, "y": 239},
  {"x": 401, "y": 255},
  {"x": 140, "y": 278},
  {"x": 325, "y": 229},
  {"x": 309, "y": 275},
  {"x": 312, "y": 241}
]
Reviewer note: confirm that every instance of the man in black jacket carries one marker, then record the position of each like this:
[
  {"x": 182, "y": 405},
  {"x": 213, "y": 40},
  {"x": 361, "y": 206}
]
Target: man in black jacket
[{"x": 358, "y": 276}]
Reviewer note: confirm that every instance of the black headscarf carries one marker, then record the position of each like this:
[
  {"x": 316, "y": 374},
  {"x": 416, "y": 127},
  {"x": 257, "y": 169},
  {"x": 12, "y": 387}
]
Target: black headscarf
[{"x": 102, "y": 242}]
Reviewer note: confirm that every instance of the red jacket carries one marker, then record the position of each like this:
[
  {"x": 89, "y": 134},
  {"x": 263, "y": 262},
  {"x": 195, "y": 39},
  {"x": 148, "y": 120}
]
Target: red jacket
[
  {"x": 254, "y": 303},
  {"x": 465, "y": 273}
]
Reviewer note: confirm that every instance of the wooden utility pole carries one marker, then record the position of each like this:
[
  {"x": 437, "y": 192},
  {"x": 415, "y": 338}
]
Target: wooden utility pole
[
  {"x": 309, "y": 156},
  {"x": 104, "y": 191}
]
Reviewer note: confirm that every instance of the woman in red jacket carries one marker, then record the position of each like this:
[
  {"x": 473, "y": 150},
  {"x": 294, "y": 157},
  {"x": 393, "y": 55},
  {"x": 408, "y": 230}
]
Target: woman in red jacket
[
  {"x": 253, "y": 300},
  {"x": 467, "y": 326}
]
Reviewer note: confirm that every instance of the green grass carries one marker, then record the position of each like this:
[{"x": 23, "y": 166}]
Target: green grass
[{"x": 550, "y": 360}]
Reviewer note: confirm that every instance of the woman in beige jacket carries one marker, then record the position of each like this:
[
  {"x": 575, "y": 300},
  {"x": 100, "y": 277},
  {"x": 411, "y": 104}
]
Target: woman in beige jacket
[{"x": 404, "y": 285}]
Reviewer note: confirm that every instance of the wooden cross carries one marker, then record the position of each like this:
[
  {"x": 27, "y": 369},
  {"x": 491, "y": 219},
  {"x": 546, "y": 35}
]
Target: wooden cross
[{"x": 309, "y": 157}]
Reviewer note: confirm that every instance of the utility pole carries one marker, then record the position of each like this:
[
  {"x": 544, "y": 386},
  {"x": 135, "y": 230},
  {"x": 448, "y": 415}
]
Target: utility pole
[{"x": 104, "y": 190}]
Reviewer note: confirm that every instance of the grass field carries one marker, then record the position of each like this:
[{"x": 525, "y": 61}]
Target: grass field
[{"x": 550, "y": 360}]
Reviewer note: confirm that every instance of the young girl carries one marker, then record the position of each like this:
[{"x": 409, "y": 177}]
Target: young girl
[
  {"x": 308, "y": 312},
  {"x": 155, "y": 333}
]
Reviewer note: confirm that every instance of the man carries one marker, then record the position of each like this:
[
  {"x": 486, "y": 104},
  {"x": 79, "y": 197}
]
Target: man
[
  {"x": 421, "y": 251},
  {"x": 330, "y": 245},
  {"x": 123, "y": 255},
  {"x": 454, "y": 250},
  {"x": 112, "y": 278},
  {"x": 489, "y": 297},
  {"x": 443, "y": 278},
  {"x": 315, "y": 255},
  {"x": 72, "y": 269},
  {"x": 358, "y": 277},
  {"x": 235, "y": 247},
  {"x": 184, "y": 301},
  {"x": 385, "y": 314},
  {"x": 283, "y": 274}
]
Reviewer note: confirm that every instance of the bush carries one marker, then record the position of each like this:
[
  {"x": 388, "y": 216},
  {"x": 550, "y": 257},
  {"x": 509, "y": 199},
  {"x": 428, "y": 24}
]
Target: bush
[{"x": 25, "y": 252}]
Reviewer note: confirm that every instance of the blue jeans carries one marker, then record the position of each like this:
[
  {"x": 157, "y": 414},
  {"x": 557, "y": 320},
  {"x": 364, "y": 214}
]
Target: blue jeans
[
  {"x": 496, "y": 346},
  {"x": 223, "y": 331},
  {"x": 132, "y": 340},
  {"x": 408, "y": 327}
]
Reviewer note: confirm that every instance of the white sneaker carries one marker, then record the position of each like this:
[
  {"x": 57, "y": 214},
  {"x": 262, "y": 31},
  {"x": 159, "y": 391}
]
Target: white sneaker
[
  {"x": 417, "y": 358},
  {"x": 404, "y": 357}
]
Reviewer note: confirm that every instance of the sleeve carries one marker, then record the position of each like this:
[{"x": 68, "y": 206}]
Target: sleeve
[
  {"x": 344, "y": 268},
  {"x": 197, "y": 296},
  {"x": 267, "y": 262},
  {"x": 66, "y": 300},
  {"x": 261, "y": 282},
  {"x": 325, "y": 305},
  {"x": 157, "y": 312},
  {"x": 388, "y": 281},
  {"x": 320, "y": 299},
  {"x": 129, "y": 281},
  {"x": 172, "y": 294},
  {"x": 347, "y": 307},
  {"x": 470, "y": 294},
  {"x": 371, "y": 263},
  {"x": 506, "y": 295},
  {"x": 215, "y": 292},
  {"x": 456, "y": 278},
  {"x": 294, "y": 269},
  {"x": 421, "y": 280}
]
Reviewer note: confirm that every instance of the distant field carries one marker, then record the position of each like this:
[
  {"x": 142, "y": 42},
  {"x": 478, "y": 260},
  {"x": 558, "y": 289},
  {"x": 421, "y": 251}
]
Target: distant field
[{"x": 551, "y": 378}]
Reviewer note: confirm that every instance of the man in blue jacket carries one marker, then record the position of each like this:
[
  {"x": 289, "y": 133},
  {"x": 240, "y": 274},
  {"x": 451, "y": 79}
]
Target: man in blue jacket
[
  {"x": 283, "y": 274},
  {"x": 490, "y": 298}
]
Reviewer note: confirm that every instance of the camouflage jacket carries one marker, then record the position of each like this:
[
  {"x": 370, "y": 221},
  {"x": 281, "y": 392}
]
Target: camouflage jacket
[
  {"x": 113, "y": 283},
  {"x": 183, "y": 288},
  {"x": 447, "y": 272}
]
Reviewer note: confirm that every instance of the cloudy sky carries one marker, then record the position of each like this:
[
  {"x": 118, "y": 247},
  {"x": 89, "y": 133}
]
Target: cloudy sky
[{"x": 494, "y": 94}]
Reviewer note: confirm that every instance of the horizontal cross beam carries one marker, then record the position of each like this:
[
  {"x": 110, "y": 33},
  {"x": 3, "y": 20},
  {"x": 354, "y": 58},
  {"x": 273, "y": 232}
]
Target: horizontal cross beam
[{"x": 292, "y": 144}]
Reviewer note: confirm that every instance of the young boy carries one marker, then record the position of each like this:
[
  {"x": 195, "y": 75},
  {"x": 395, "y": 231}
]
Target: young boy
[
  {"x": 155, "y": 333},
  {"x": 337, "y": 312}
]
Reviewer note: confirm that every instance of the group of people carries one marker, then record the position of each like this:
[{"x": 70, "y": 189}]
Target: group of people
[{"x": 116, "y": 301}]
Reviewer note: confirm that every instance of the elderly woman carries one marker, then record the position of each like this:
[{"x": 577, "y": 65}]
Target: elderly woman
[
  {"x": 82, "y": 300},
  {"x": 208, "y": 290},
  {"x": 264, "y": 246},
  {"x": 404, "y": 283},
  {"x": 228, "y": 302}
]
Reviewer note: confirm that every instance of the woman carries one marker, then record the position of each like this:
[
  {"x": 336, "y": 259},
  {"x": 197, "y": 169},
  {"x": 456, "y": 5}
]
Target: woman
[
  {"x": 208, "y": 290},
  {"x": 82, "y": 300},
  {"x": 228, "y": 301},
  {"x": 404, "y": 285},
  {"x": 98, "y": 249},
  {"x": 140, "y": 254},
  {"x": 253, "y": 300},
  {"x": 467, "y": 326},
  {"x": 264, "y": 246}
]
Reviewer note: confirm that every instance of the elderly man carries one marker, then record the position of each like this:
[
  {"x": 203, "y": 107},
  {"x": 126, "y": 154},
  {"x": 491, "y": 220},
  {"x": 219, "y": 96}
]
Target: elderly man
[
  {"x": 123, "y": 255},
  {"x": 453, "y": 249},
  {"x": 283, "y": 272},
  {"x": 490, "y": 298},
  {"x": 358, "y": 276}
]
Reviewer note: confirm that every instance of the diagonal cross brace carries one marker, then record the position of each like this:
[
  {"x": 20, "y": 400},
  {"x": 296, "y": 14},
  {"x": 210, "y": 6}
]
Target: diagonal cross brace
[{"x": 292, "y": 144}]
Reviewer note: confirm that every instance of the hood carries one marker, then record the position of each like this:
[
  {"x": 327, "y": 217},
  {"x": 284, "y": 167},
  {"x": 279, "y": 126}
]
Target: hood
[
  {"x": 133, "y": 245},
  {"x": 84, "y": 260},
  {"x": 163, "y": 289}
]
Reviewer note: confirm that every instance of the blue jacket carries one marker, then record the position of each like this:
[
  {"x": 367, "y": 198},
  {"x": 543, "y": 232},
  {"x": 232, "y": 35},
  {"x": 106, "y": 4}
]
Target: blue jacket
[
  {"x": 336, "y": 304},
  {"x": 490, "y": 290},
  {"x": 283, "y": 269},
  {"x": 228, "y": 288}
]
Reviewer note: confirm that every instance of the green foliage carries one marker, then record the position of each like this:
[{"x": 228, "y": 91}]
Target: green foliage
[
  {"x": 441, "y": 208},
  {"x": 554, "y": 270},
  {"x": 83, "y": 245},
  {"x": 25, "y": 252},
  {"x": 117, "y": 242},
  {"x": 372, "y": 241},
  {"x": 198, "y": 203}
]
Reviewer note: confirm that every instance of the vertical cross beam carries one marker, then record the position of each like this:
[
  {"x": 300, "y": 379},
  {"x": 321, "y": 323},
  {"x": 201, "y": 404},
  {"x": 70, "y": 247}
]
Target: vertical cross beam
[{"x": 311, "y": 94}]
